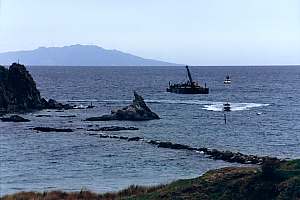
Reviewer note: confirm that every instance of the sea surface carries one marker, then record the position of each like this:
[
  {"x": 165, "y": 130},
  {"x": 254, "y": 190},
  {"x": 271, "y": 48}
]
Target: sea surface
[{"x": 265, "y": 120}]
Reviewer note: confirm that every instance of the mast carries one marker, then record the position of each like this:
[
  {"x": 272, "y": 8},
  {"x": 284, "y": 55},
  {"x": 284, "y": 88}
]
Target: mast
[{"x": 189, "y": 74}]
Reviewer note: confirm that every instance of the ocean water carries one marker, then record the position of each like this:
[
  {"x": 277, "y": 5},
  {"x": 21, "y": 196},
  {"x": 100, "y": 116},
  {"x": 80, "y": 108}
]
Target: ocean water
[{"x": 265, "y": 120}]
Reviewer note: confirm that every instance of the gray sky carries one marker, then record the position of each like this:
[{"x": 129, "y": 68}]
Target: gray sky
[{"x": 199, "y": 32}]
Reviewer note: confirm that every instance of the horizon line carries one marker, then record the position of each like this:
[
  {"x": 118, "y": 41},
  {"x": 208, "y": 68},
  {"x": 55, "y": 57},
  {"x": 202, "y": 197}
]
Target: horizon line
[{"x": 179, "y": 65}]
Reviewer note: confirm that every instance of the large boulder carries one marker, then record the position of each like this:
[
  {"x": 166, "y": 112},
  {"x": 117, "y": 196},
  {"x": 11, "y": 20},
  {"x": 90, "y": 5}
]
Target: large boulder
[{"x": 137, "y": 111}]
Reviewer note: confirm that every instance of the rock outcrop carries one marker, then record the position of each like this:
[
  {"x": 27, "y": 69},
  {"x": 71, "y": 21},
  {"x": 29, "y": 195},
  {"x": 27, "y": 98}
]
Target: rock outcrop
[
  {"x": 18, "y": 92},
  {"x": 52, "y": 104},
  {"x": 14, "y": 118},
  {"x": 228, "y": 156},
  {"x": 48, "y": 129},
  {"x": 137, "y": 111}
]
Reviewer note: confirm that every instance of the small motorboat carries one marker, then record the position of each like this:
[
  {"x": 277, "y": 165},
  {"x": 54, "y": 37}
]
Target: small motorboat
[
  {"x": 226, "y": 107},
  {"x": 227, "y": 80}
]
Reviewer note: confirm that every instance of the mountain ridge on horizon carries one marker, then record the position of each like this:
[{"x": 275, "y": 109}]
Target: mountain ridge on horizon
[{"x": 77, "y": 55}]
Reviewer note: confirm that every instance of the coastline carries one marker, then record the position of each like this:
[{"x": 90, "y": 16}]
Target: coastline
[{"x": 272, "y": 181}]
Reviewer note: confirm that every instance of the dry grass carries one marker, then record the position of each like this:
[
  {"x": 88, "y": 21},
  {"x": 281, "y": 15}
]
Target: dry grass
[{"x": 131, "y": 191}]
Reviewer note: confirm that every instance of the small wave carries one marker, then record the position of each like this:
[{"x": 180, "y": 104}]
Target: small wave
[{"x": 81, "y": 100}]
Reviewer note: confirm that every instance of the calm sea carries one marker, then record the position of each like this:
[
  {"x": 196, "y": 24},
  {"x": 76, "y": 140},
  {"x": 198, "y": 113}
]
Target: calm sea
[{"x": 265, "y": 120}]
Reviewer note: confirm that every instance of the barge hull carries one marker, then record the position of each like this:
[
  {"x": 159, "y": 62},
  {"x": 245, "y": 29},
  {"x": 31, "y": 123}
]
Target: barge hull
[{"x": 188, "y": 90}]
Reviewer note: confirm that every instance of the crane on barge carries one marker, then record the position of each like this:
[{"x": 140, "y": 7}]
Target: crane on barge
[{"x": 189, "y": 87}]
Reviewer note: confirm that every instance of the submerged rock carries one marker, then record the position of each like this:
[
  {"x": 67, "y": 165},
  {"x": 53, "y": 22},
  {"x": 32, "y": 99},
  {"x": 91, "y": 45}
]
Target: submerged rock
[
  {"x": 171, "y": 145},
  {"x": 43, "y": 116},
  {"x": 67, "y": 116},
  {"x": 48, "y": 129},
  {"x": 52, "y": 104},
  {"x": 14, "y": 118},
  {"x": 114, "y": 128},
  {"x": 137, "y": 111},
  {"x": 134, "y": 139},
  {"x": 227, "y": 156}
]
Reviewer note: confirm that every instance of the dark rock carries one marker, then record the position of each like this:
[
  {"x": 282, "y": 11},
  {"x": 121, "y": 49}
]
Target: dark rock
[
  {"x": 18, "y": 92},
  {"x": 67, "y": 116},
  {"x": 103, "y": 136},
  {"x": 137, "y": 111},
  {"x": 170, "y": 145},
  {"x": 134, "y": 139},
  {"x": 43, "y": 116},
  {"x": 48, "y": 129},
  {"x": 154, "y": 142},
  {"x": 227, "y": 156},
  {"x": 52, "y": 104},
  {"x": 92, "y": 134},
  {"x": 102, "y": 118},
  {"x": 114, "y": 128},
  {"x": 14, "y": 118}
]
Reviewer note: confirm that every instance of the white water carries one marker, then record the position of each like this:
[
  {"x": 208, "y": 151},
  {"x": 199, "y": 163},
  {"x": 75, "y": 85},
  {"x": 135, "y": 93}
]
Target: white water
[{"x": 218, "y": 106}]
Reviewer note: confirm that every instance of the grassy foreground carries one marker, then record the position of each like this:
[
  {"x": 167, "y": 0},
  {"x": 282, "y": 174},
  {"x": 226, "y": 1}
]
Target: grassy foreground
[{"x": 275, "y": 180}]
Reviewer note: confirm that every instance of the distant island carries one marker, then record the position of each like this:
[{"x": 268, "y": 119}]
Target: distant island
[{"x": 77, "y": 55}]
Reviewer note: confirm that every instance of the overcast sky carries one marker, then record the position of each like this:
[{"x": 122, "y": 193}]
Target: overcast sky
[{"x": 198, "y": 32}]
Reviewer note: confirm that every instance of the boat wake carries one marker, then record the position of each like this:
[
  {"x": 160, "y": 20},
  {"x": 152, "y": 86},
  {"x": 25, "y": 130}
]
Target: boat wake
[
  {"x": 218, "y": 106},
  {"x": 211, "y": 105}
]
